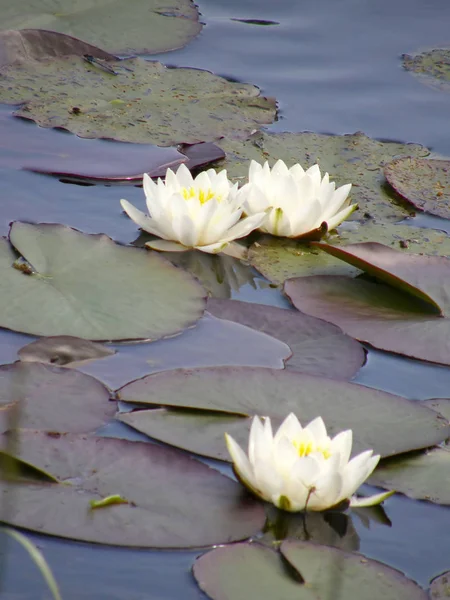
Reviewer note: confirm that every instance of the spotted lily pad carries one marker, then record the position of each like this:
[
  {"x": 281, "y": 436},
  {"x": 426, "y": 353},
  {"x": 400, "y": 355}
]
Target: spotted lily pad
[
  {"x": 87, "y": 286},
  {"x": 440, "y": 587},
  {"x": 440, "y": 405},
  {"x": 139, "y": 485},
  {"x": 431, "y": 67},
  {"x": 221, "y": 399},
  {"x": 423, "y": 182},
  {"x": 54, "y": 399},
  {"x": 142, "y": 102},
  {"x": 63, "y": 350},
  {"x": 301, "y": 571},
  {"x": 423, "y": 476},
  {"x": 145, "y": 26},
  {"x": 319, "y": 348}
]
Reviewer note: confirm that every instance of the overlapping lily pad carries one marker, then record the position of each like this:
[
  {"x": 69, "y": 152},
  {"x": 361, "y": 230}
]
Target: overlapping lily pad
[
  {"x": 143, "y": 102},
  {"x": 87, "y": 286},
  {"x": 423, "y": 476},
  {"x": 161, "y": 498},
  {"x": 54, "y": 399},
  {"x": 354, "y": 159},
  {"x": 149, "y": 26},
  {"x": 301, "y": 571},
  {"x": 381, "y": 315},
  {"x": 423, "y": 182},
  {"x": 221, "y": 399},
  {"x": 431, "y": 67},
  {"x": 319, "y": 348},
  {"x": 63, "y": 350},
  {"x": 440, "y": 587}
]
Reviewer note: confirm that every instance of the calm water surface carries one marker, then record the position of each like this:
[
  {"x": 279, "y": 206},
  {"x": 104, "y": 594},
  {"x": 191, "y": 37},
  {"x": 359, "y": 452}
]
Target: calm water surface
[{"x": 334, "y": 66}]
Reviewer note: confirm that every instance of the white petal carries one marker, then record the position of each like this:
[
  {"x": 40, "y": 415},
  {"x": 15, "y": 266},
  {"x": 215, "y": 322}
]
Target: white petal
[
  {"x": 280, "y": 169},
  {"x": 341, "y": 216},
  {"x": 342, "y": 443},
  {"x": 256, "y": 434},
  {"x": 327, "y": 492},
  {"x": 333, "y": 204},
  {"x": 277, "y": 223},
  {"x": 166, "y": 246},
  {"x": 240, "y": 461},
  {"x": 141, "y": 219},
  {"x": 213, "y": 248},
  {"x": 289, "y": 428},
  {"x": 364, "y": 501},
  {"x": 357, "y": 471},
  {"x": 183, "y": 177},
  {"x": 244, "y": 227},
  {"x": 318, "y": 430}
]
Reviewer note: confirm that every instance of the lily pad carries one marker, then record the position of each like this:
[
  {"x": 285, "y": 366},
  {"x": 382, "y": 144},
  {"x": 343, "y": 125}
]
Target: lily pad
[
  {"x": 423, "y": 476},
  {"x": 440, "y": 587},
  {"x": 374, "y": 313},
  {"x": 143, "y": 102},
  {"x": 281, "y": 259},
  {"x": 145, "y": 26},
  {"x": 216, "y": 400},
  {"x": 423, "y": 182},
  {"x": 431, "y": 67},
  {"x": 318, "y": 348},
  {"x": 302, "y": 571},
  {"x": 355, "y": 159},
  {"x": 35, "y": 44},
  {"x": 440, "y": 405},
  {"x": 63, "y": 350},
  {"x": 144, "y": 480},
  {"x": 88, "y": 286},
  {"x": 54, "y": 399}
]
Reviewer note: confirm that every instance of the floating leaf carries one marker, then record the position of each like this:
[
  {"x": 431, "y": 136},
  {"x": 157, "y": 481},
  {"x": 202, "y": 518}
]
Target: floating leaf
[
  {"x": 423, "y": 476},
  {"x": 88, "y": 286},
  {"x": 431, "y": 67},
  {"x": 440, "y": 405},
  {"x": 145, "y": 26},
  {"x": 440, "y": 587},
  {"x": 354, "y": 159},
  {"x": 303, "y": 571},
  {"x": 318, "y": 348},
  {"x": 386, "y": 423},
  {"x": 55, "y": 399},
  {"x": 423, "y": 182},
  {"x": 211, "y": 509},
  {"x": 63, "y": 350},
  {"x": 144, "y": 102}
]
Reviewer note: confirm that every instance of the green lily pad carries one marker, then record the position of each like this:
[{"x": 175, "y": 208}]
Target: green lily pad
[
  {"x": 424, "y": 183},
  {"x": 280, "y": 259},
  {"x": 55, "y": 399},
  {"x": 144, "y": 102},
  {"x": 302, "y": 571},
  {"x": 87, "y": 286},
  {"x": 139, "y": 26},
  {"x": 374, "y": 313},
  {"x": 221, "y": 399},
  {"x": 423, "y": 476},
  {"x": 354, "y": 159},
  {"x": 440, "y": 587},
  {"x": 318, "y": 348},
  {"x": 63, "y": 350},
  {"x": 146, "y": 480},
  {"x": 431, "y": 67}
]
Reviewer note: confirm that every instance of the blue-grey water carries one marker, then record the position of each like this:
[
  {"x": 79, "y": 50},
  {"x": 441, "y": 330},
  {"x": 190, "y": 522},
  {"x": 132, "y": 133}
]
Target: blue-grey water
[{"x": 335, "y": 67}]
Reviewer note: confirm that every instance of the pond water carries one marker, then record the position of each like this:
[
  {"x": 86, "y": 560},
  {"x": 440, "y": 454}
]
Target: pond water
[{"x": 334, "y": 67}]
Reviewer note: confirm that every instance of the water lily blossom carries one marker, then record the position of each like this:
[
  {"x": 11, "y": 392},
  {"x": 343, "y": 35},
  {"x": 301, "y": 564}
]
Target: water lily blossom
[
  {"x": 301, "y": 468},
  {"x": 202, "y": 213},
  {"x": 297, "y": 201}
]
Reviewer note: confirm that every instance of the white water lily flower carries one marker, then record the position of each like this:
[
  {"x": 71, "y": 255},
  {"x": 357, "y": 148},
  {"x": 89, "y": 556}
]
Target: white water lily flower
[
  {"x": 299, "y": 201},
  {"x": 202, "y": 213},
  {"x": 301, "y": 468}
]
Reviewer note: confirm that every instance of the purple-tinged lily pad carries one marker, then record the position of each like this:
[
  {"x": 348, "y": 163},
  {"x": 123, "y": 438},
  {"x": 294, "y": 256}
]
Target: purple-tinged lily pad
[
  {"x": 216, "y": 400},
  {"x": 318, "y": 347},
  {"x": 152, "y": 496},
  {"x": 54, "y": 399},
  {"x": 63, "y": 350},
  {"x": 70, "y": 283},
  {"x": 316, "y": 572},
  {"x": 424, "y": 183}
]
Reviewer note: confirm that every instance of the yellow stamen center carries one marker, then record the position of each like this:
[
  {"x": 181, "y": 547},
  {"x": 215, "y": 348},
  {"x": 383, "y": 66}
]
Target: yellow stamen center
[
  {"x": 304, "y": 448},
  {"x": 202, "y": 195}
]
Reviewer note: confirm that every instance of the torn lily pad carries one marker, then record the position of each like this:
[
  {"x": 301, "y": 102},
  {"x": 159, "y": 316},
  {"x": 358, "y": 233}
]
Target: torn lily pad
[
  {"x": 142, "y": 101},
  {"x": 70, "y": 283},
  {"x": 139, "y": 26}
]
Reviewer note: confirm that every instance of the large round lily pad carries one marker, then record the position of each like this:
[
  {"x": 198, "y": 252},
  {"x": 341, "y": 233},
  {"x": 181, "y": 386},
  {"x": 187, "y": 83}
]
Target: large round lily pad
[
  {"x": 143, "y": 102},
  {"x": 423, "y": 476},
  {"x": 389, "y": 424},
  {"x": 88, "y": 286},
  {"x": 163, "y": 498},
  {"x": 354, "y": 159},
  {"x": 55, "y": 399},
  {"x": 431, "y": 67},
  {"x": 149, "y": 26},
  {"x": 318, "y": 348},
  {"x": 279, "y": 259},
  {"x": 423, "y": 182},
  {"x": 302, "y": 571}
]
